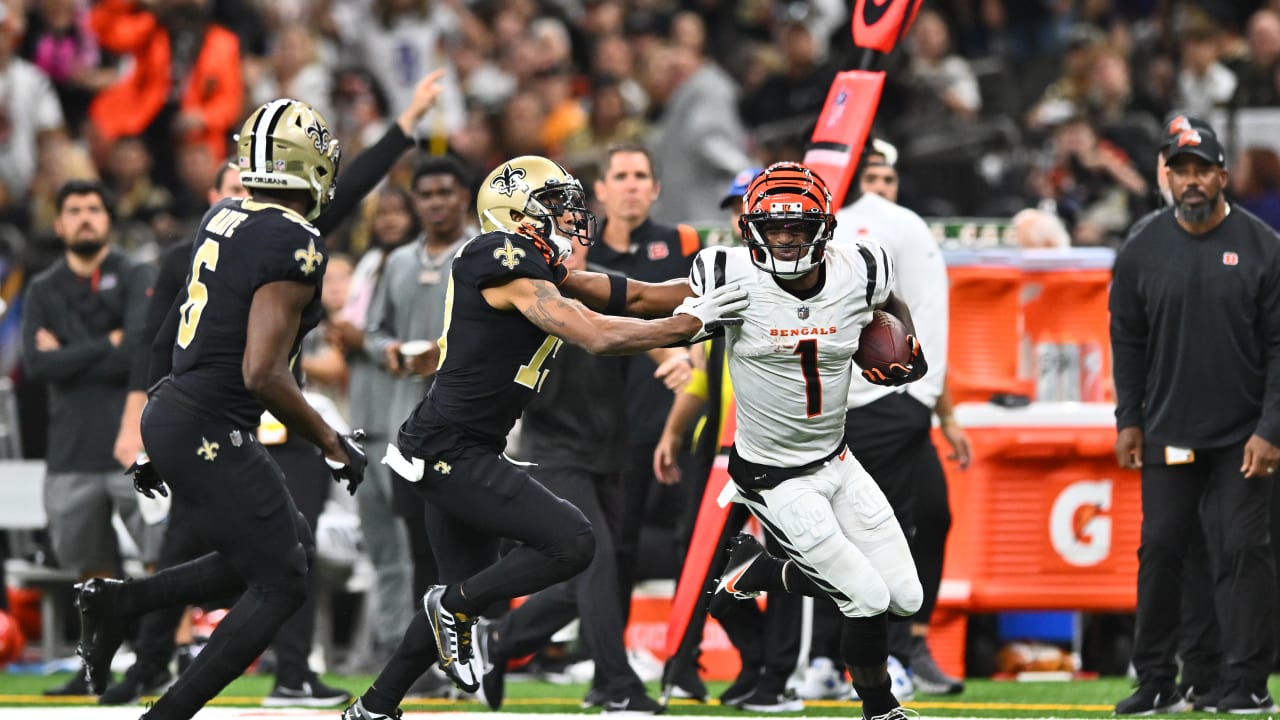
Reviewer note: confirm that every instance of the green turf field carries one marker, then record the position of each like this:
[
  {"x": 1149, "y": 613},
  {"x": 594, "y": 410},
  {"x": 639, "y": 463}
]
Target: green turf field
[{"x": 981, "y": 699}]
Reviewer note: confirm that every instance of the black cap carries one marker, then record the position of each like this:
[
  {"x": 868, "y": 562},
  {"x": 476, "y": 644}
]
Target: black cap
[
  {"x": 1200, "y": 143},
  {"x": 1176, "y": 123}
]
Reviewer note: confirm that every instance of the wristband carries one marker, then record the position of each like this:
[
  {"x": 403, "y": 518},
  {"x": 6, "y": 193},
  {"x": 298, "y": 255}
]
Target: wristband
[{"x": 617, "y": 304}]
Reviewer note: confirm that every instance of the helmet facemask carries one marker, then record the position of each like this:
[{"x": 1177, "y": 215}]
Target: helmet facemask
[
  {"x": 789, "y": 260},
  {"x": 561, "y": 210}
]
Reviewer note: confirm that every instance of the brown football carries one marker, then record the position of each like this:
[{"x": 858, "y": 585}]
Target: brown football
[{"x": 882, "y": 343}]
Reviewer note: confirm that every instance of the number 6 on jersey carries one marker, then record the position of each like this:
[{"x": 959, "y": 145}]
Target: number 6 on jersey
[{"x": 197, "y": 293}]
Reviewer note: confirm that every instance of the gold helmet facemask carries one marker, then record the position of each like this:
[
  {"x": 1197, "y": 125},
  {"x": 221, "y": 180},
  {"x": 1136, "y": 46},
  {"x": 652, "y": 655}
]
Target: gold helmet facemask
[
  {"x": 286, "y": 145},
  {"x": 550, "y": 203}
]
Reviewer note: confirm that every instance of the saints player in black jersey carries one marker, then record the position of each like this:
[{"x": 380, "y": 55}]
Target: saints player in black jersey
[
  {"x": 505, "y": 318},
  {"x": 252, "y": 293}
]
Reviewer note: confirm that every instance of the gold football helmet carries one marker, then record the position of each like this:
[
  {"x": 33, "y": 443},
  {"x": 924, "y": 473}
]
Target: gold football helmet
[
  {"x": 545, "y": 197},
  {"x": 287, "y": 145}
]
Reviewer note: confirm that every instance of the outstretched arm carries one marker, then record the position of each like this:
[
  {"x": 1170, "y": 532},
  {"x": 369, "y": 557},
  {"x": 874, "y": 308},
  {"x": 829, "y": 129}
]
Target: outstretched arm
[
  {"x": 568, "y": 319},
  {"x": 617, "y": 295}
]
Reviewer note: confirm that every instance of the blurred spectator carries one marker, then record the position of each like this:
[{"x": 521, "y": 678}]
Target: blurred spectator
[
  {"x": 82, "y": 321},
  {"x": 399, "y": 41},
  {"x": 29, "y": 116},
  {"x": 371, "y": 388},
  {"x": 1036, "y": 229},
  {"x": 1257, "y": 74},
  {"x": 1255, "y": 184},
  {"x": 360, "y": 109},
  {"x": 700, "y": 139},
  {"x": 613, "y": 58},
  {"x": 185, "y": 89},
  {"x": 565, "y": 116},
  {"x": 522, "y": 123},
  {"x": 61, "y": 160},
  {"x": 477, "y": 144},
  {"x": 1204, "y": 83},
  {"x": 295, "y": 71},
  {"x": 798, "y": 89},
  {"x": 1065, "y": 97},
  {"x": 608, "y": 123},
  {"x": 879, "y": 176},
  {"x": 945, "y": 87},
  {"x": 140, "y": 202},
  {"x": 323, "y": 364},
  {"x": 1092, "y": 182},
  {"x": 60, "y": 42}
]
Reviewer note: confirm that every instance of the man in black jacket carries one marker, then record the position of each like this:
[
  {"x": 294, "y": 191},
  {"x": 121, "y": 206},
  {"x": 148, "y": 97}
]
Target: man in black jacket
[
  {"x": 82, "y": 321},
  {"x": 1202, "y": 426}
]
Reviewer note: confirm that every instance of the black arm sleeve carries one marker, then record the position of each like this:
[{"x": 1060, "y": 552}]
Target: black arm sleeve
[
  {"x": 366, "y": 171},
  {"x": 162, "y": 347},
  {"x": 169, "y": 281}
]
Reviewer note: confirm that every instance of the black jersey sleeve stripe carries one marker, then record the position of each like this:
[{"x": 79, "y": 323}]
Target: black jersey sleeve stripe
[
  {"x": 718, "y": 269},
  {"x": 870, "y": 259},
  {"x": 699, "y": 271}
]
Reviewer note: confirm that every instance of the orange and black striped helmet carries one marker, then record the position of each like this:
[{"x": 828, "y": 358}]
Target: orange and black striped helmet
[{"x": 787, "y": 196}]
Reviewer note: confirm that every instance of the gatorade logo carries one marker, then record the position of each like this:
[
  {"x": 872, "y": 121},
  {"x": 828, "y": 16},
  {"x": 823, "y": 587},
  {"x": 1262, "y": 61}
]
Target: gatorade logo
[{"x": 1079, "y": 523}]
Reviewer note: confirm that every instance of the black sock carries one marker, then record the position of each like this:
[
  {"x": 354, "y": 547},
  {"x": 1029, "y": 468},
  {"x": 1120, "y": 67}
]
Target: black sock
[
  {"x": 414, "y": 656},
  {"x": 797, "y": 582},
  {"x": 456, "y": 602},
  {"x": 764, "y": 573}
]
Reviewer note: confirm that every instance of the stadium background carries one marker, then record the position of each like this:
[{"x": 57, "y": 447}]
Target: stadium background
[{"x": 994, "y": 106}]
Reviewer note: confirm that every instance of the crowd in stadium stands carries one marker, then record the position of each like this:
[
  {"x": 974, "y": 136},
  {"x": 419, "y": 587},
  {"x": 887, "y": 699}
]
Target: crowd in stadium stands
[{"x": 1047, "y": 110}]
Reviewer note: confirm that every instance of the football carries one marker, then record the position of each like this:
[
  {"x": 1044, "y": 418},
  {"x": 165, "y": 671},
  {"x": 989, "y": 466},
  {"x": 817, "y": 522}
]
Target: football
[{"x": 882, "y": 343}]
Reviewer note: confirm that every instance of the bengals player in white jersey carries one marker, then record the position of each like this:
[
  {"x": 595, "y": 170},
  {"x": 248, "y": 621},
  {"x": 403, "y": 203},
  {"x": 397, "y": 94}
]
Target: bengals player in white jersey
[{"x": 790, "y": 362}]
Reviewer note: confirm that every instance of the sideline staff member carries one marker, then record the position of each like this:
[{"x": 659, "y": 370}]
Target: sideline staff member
[{"x": 1203, "y": 427}]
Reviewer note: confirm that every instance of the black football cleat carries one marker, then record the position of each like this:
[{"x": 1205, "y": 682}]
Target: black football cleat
[{"x": 101, "y": 631}]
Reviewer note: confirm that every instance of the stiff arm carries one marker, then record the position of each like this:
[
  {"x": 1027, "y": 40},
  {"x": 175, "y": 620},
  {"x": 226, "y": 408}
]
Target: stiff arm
[{"x": 643, "y": 299}]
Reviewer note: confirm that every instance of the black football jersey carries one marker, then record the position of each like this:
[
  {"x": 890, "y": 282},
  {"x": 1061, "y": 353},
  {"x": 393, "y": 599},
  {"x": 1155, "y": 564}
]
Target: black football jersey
[
  {"x": 491, "y": 362},
  {"x": 241, "y": 245}
]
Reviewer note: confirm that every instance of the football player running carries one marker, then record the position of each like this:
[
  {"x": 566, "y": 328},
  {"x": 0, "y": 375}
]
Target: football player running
[
  {"x": 790, "y": 363},
  {"x": 252, "y": 293},
  {"x": 505, "y": 318}
]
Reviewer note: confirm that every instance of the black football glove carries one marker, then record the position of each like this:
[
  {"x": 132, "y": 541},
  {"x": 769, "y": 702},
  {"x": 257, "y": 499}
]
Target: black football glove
[
  {"x": 899, "y": 374},
  {"x": 353, "y": 471},
  {"x": 146, "y": 480}
]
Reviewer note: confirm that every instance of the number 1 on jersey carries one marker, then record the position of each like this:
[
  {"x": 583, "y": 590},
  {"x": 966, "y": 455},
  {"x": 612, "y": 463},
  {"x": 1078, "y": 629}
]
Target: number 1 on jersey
[
  {"x": 808, "y": 352},
  {"x": 532, "y": 375},
  {"x": 197, "y": 292}
]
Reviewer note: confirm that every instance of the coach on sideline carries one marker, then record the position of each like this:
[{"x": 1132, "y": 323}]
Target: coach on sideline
[{"x": 1202, "y": 426}]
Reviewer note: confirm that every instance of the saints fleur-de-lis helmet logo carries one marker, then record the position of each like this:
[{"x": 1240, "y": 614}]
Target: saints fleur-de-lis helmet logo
[{"x": 509, "y": 181}]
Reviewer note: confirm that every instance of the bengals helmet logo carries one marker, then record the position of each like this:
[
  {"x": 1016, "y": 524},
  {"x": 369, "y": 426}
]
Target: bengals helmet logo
[
  {"x": 1189, "y": 137},
  {"x": 509, "y": 181}
]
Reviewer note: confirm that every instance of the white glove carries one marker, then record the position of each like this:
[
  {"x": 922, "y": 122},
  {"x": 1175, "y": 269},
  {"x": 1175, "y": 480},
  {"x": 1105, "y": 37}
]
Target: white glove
[{"x": 714, "y": 308}]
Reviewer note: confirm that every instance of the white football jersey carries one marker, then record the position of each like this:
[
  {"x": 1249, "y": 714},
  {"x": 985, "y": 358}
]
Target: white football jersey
[{"x": 792, "y": 358}]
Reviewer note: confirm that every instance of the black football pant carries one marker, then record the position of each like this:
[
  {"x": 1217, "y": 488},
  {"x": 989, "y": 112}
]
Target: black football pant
[
  {"x": 472, "y": 504},
  {"x": 588, "y": 595},
  {"x": 891, "y": 438},
  {"x": 307, "y": 478},
  {"x": 1234, "y": 513},
  {"x": 262, "y": 545},
  {"x": 637, "y": 492}
]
